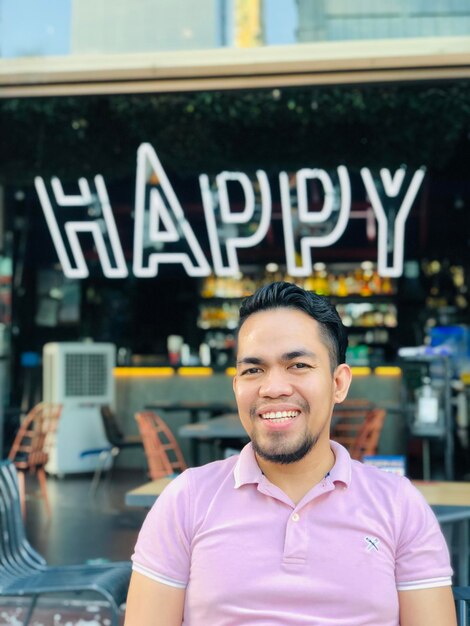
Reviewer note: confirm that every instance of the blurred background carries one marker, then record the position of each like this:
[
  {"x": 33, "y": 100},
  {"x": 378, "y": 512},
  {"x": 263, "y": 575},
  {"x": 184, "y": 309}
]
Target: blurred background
[{"x": 160, "y": 160}]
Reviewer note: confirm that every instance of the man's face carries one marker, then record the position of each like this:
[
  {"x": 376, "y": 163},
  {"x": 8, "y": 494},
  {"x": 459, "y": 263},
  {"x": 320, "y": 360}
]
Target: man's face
[{"x": 284, "y": 386}]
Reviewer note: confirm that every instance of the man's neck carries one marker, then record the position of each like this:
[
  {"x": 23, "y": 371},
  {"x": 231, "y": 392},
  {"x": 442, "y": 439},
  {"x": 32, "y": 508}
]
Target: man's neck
[{"x": 296, "y": 479}]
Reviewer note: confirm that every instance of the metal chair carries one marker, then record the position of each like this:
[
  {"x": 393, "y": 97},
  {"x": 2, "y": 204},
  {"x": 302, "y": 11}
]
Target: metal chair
[
  {"x": 30, "y": 449},
  {"x": 117, "y": 440},
  {"x": 24, "y": 572},
  {"x": 357, "y": 426},
  {"x": 462, "y": 600},
  {"x": 164, "y": 456}
]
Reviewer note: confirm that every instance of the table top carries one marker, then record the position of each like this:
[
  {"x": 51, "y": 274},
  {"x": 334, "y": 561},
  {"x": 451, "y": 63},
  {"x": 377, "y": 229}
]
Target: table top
[
  {"x": 444, "y": 493},
  {"x": 449, "y": 500},
  {"x": 227, "y": 426},
  {"x": 145, "y": 495}
]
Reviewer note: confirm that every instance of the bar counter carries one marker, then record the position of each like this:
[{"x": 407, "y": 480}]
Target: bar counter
[{"x": 137, "y": 387}]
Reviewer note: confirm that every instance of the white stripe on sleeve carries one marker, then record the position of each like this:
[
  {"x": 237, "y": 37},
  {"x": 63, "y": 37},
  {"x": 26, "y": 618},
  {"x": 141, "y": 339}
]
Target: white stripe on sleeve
[
  {"x": 428, "y": 583},
  {"x": 159, "y": 578}
]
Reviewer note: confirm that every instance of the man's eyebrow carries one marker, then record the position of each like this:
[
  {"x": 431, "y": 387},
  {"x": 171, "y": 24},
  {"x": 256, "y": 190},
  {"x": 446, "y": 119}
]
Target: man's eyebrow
[
  {"x": 250, "y": 360},
  {"x": 295, "y": 354},
  {"x": 287, "y": 356}
]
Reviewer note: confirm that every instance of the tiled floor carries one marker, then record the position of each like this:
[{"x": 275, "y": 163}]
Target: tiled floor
[{"x": 83, "y": 527}]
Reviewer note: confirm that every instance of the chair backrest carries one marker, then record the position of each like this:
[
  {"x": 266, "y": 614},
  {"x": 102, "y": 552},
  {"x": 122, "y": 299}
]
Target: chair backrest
[
  {"x": 462, "y": 601},
  {"x": 358, "y": 429},
  {"x": 111, "y": 428},
  {"x": 17, "y": 556},
  {"x": 35, "y": 436},
  {"x": 164, "y": 456},
  {"x": 352, "y": 411},
  {"x": 347, "y": 418}
]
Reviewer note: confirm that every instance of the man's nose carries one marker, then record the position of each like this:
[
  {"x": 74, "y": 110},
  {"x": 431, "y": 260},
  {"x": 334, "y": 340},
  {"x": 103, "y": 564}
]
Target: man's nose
[{"x": 275, "y": 383}]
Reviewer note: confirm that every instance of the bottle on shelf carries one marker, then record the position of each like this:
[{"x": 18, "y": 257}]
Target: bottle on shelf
[
  {"x": 427, "y": 403},
  {"x": 342, "y": 289}
]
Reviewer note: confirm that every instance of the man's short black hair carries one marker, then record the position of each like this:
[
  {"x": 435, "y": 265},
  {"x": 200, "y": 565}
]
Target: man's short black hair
[{"x": 286, "y": 295}]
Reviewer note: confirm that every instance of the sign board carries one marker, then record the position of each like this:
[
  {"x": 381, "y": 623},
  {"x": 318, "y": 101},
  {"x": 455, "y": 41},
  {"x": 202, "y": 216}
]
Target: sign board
[{"x": 159, "y": 219}]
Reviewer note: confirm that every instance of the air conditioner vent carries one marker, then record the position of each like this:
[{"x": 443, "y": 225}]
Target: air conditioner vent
[
  {"x": 86, "y": 374},
  {"x": 79, "y": 376}
]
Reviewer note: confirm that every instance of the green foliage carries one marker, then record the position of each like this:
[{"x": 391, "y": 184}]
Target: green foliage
[{"x": 381, "y": 125}]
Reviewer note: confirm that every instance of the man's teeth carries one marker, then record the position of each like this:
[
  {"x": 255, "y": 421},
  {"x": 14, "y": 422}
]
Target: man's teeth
[{"x": 278, "y": 415}]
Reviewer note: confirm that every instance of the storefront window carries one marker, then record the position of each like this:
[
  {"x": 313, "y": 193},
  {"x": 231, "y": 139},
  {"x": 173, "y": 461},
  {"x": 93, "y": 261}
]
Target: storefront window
[{"x": 137, "y": 217}]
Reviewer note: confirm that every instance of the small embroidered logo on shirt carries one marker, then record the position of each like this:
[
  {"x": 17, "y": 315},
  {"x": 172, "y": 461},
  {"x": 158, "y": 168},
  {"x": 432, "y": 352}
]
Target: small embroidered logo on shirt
[{"x": 372, "y": 543}]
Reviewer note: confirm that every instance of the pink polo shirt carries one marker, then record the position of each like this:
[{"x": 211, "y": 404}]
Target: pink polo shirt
[{"x": 246, "y": 554}]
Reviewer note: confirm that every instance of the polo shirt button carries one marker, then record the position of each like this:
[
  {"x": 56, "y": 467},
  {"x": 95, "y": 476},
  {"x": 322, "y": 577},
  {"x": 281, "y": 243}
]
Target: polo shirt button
[{"x": 295, "y": 517}]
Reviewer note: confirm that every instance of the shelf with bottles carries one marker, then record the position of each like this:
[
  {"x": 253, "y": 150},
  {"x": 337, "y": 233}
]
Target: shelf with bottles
[
  {"x": 368, "y": 315},
  {"x": 218, "y": 316},
  {"x": 339, "y": 280},
  {"x": 362, "y": 296},
  {"x": 221, "y": 346},
  {"x": 228, "y": 287},
  {"x": 446, "y": 285},
  {"x": 349, "y": 281},
  {"x": 370, "y": 336}
]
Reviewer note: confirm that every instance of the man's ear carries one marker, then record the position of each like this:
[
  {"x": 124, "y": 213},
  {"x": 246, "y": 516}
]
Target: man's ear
[
  {"x": 342, "y": 380},
  {"x": 234, "y": 384}
]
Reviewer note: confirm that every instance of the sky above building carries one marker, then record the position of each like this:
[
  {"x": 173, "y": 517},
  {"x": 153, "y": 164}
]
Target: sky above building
[
  {"x": 34, "y": 27},
  {"x": 43, "y": 27}
]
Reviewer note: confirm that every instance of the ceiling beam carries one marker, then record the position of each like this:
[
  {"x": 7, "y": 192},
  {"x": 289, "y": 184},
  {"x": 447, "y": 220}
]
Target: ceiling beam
[{"x": 345, "y": 62}]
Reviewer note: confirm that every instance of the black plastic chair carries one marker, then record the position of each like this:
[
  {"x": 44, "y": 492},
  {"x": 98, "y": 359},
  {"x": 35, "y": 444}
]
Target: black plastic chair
[
  {"x": 24, "y": 572},
  {"x": 117, "y": 442},
  {"x": 114, "y": 434},
  {"x": 462, "y": 600}
]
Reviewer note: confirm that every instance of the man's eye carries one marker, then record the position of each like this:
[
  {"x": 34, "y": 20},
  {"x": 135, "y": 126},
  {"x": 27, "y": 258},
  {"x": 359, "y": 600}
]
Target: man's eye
[
  {"x": 251, "y": 370},
  {"x": 300, "y": 366}
]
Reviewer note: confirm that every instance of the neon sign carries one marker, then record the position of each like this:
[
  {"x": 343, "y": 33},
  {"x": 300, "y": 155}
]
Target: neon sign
[{"x": 160, "y": 219}]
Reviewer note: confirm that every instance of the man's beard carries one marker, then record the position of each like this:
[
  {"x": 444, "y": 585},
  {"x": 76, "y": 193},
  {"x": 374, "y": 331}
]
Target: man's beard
[{"x": 284, "y": 458}]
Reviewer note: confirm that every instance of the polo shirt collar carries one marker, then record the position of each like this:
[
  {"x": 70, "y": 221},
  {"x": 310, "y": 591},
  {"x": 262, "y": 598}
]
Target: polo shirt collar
[
  {"x": 247, "y": 470},
  {"x": 341, "y": 470}
]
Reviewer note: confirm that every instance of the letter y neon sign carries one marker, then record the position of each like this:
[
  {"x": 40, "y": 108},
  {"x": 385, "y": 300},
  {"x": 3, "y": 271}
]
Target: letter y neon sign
[{"x": 395, "y": 241}]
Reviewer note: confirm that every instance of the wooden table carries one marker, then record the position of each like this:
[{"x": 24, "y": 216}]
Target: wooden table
[
  {"x": 145, "y": 495},
  {"x": 450, "y": 502},
  {"x": 444, "y": 492}
]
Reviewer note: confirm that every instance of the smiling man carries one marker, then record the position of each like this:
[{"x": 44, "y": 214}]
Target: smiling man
[{"x": 291, "y": 532}]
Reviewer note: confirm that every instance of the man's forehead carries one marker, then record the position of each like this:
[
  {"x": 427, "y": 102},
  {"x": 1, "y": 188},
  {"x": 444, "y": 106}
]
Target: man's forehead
[
  {"x": 260, "y": 319},
  {"x": 274, "y": 328}
]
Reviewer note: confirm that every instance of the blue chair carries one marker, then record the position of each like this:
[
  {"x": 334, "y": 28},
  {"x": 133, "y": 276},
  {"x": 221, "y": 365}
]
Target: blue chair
[
  {"x": 24, "y": 572},
  {"x": 462, "y": 598}
]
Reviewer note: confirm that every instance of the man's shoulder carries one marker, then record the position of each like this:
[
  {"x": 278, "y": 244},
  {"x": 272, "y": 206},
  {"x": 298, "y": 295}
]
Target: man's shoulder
[
  {"x": 207, "y": 478},
  {"x": 384, "y": 491},
  {"x": 223, "y": 467},
  {"x": 371, "y": 476}
]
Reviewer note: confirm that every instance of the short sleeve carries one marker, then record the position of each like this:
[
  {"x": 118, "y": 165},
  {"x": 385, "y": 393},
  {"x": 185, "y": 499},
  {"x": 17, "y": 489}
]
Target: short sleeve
[
  {"x": 422, "y": 557},
  {"x": 162, "y": 551}
]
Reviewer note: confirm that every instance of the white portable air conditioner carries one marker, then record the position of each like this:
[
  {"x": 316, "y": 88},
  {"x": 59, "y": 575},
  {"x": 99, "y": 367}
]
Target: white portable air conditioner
[{"x": 80, "y": 377}]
